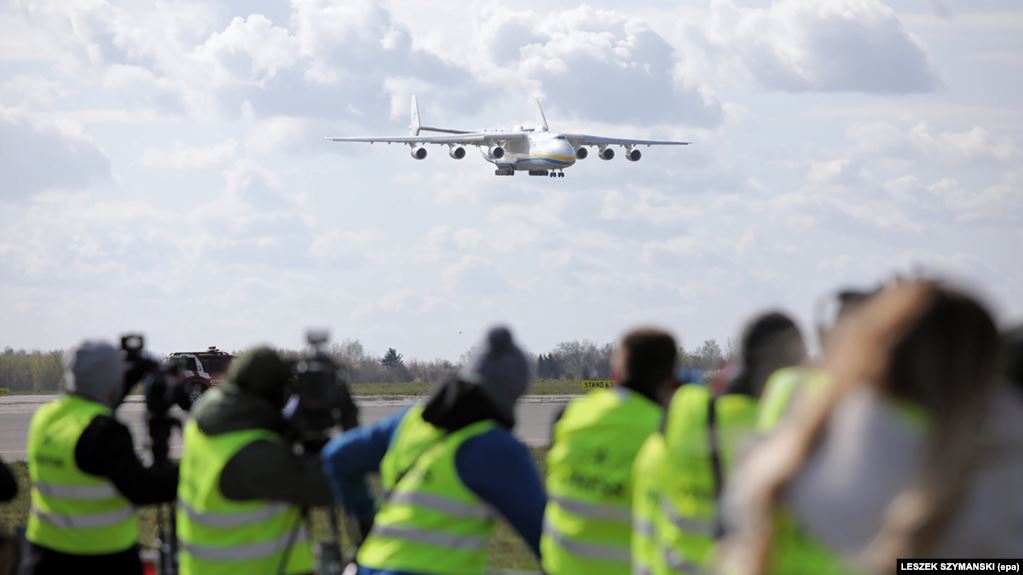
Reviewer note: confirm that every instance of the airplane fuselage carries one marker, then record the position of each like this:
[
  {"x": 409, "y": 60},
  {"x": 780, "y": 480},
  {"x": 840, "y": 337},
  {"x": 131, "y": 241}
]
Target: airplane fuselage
[{"x": 539, "y": 151}]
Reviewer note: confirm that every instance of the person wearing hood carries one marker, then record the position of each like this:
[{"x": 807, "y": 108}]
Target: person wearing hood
[
  {"x": 242, "y": 484},
  {"x": 445, "y": 466},
  {"x": 86, "y": 477}
]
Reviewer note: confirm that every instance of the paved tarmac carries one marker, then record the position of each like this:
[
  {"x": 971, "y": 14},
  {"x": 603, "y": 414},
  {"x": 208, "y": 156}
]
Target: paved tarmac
[{"x": 534, "y": 414}]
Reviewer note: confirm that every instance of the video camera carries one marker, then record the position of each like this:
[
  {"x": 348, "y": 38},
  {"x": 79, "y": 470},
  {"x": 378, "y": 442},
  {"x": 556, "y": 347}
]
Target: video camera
[
  {"x": 321, "y": 399},
  {"x": 159, "y": 379},
  {"x": 162, "y": 392}
]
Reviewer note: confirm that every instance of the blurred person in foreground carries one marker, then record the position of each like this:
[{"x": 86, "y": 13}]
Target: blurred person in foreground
[
  {"x": 8, "y": 544},
  {"x": 905, "y": 454},
  {"x": 86, "y": 477},
  {"x": 446, "y": 466},
  {"x": 1013, "y": 351},
  {"x": 8, "y": 483},
  {"x": 242, "y": 484},
  {"x": 787, "y": 385},
  {"x": 680, "y": 472},
  {"x": 588, "y": 521}
]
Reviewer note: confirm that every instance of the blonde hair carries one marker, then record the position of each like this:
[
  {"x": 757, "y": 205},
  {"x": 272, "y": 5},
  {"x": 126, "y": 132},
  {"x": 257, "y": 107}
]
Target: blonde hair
[{"x": 915, "y": 341}]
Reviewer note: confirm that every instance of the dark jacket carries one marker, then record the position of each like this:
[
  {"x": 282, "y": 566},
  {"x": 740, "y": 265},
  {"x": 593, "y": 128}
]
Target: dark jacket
[
  {"x": 105, "y": 449},
  {"x": 494, "y": 465},
  {"x": 263, "y": 469},
  {"x": 8, "y": 483}
]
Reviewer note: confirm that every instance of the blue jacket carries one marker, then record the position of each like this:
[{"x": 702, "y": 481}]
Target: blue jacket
[{"x": 494, "y": 465}]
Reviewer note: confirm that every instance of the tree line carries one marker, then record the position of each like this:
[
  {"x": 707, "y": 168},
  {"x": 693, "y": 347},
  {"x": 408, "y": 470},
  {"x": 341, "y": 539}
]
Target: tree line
[{"x": 41, "y": 371}]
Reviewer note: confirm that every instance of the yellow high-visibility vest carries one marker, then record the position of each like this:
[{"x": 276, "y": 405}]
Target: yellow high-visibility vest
[
  {"x": 72, "y": 511},
  {"x": 686, "y": 524},
  {"x": 429, "y": 521},
  {"x": 218, "y": 536},
  {"x": 588, "y": 520}
]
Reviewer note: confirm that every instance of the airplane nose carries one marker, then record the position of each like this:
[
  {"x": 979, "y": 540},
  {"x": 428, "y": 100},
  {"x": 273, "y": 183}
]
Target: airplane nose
[{"x": 567, "y": 150}]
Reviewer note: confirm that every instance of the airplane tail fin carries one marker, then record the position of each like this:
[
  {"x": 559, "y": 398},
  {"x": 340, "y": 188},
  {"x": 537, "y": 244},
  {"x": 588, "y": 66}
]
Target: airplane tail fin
[
  {"x": 543, "y": 118},
  {"x": 415, "y": 125}
]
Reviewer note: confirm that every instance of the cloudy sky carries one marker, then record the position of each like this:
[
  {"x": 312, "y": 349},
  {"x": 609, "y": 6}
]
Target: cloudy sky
[{"x": 162, "y": 165}]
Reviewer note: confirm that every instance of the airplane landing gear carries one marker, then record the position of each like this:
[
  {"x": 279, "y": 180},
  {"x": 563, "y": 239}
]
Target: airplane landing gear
[{"x": 504, "y": 172}]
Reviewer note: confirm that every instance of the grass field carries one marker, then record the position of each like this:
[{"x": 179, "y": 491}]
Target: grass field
[{"x": 507, "y": 551}]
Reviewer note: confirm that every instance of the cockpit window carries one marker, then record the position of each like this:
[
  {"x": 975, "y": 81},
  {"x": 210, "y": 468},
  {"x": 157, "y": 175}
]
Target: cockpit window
[{"x": 559, "y": 137}]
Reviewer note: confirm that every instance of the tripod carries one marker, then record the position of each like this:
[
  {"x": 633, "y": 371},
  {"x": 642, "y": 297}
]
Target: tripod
[
  {"x": 160, "y": 427},
  {"x": 330, "y": 557}
]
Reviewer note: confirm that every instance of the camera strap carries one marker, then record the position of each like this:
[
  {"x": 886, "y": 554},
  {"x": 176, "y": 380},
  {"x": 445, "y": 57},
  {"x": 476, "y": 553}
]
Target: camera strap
[{"x": 714, "y": 447}]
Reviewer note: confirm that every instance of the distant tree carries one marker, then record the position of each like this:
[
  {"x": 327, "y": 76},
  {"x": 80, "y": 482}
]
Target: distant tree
[
  {"x": 548, "y": 366},
  {"x": 394, "y": 362},
  {"x": 392, "y": 359},
  {"x": 707, "y": 357}
]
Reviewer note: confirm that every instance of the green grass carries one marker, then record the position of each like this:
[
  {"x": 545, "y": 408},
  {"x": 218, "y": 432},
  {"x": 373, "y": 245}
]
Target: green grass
[
  {"x": 415, "y": 388},
  {"x": 507, "y": 551}
]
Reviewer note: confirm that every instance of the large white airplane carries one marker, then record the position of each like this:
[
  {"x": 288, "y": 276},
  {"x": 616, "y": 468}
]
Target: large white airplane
[{"x": 536, "y": 150}]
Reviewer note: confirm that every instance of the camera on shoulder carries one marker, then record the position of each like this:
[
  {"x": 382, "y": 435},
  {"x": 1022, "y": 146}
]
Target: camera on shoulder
[{"x": 321, "y": 399}]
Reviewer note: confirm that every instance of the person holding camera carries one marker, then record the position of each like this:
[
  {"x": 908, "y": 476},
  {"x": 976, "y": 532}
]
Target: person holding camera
[
  {"x": 447, "y": 467},
  {"x": 86, "y": 478},
  {"x": 242, "y": 484}
]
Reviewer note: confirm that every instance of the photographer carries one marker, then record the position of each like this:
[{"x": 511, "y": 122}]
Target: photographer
[
  {"x": 85, "y": 475},
  {"x": 241, "y": 482},
  {"x": 447, "y": 468}
]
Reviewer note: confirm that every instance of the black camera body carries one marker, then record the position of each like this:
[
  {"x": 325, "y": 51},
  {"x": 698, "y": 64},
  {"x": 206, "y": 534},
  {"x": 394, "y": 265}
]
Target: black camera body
[
  {"x": 159, "y": 379},
  {"x": 321, "y": 399}
]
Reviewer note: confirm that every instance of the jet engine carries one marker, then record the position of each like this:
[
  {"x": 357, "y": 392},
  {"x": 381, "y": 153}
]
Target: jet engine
[
  {"x": 606, "y": 154},
  {"x": 457, "y": 152},
  {"x": 633, "y": 155},
  {"x": 418, "y": 152},
  {"x": 497, "y": 152},
  {"x": 581, "y": 153}
]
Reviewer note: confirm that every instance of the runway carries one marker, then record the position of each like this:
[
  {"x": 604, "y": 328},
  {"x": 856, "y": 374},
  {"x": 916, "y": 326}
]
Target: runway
[{"x": 534, "y": 415}]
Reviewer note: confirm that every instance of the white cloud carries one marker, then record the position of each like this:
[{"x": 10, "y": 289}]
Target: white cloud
[
  {"x": 29, "y": 91},
  {"x": 475, "y": 276},
  {"x": 40, "y": 154},
  {"x": 185, "y": 157},
  {"x": 833, "y": 46},
  {"x": 596, "y": 63},
  {"x": 250, "y": 50}
]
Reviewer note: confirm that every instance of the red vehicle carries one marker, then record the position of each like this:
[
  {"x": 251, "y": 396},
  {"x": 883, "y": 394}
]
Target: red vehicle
[{"x": 201, "y": 370}]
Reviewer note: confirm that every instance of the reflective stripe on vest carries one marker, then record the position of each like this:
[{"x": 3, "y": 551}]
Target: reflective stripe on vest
[
  {"x": 245, "y": 552},
  {"x": 429, "y": 521},
  {"x": 219, "y": 536},
  {"x": 677, "y": 563},
  {"x": 596, "y": 552},
  {"x": 72, "y": 511},
  {"x": 589, "y": 516},
  {"x": 233, "y": 519},
  {"x": 442, "y": 504},
  {"x": 448, "y": 541},
  {"x": 693, "y": 525},
  {"x": 77, "y": 492},
  {"x": 593, "y": 510},
  {"x": 85, "y": 521}
]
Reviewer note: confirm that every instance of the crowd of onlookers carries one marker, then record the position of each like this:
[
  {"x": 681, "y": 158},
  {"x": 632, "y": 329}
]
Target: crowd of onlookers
[{"x": 901, "y": 438}]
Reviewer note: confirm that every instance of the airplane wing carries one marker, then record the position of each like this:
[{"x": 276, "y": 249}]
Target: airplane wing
[
  {"x": 587, "y": 140},
  {"x": 467, "y": 139}
]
